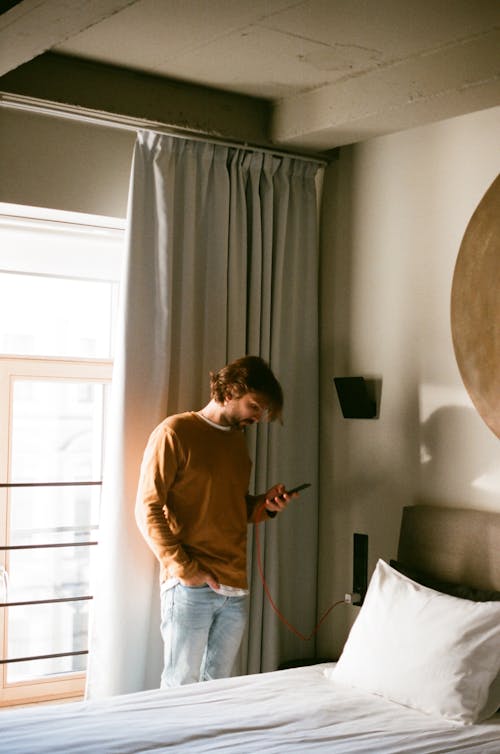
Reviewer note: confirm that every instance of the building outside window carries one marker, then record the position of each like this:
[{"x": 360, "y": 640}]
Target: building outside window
[{"x": 59, "y": 277}]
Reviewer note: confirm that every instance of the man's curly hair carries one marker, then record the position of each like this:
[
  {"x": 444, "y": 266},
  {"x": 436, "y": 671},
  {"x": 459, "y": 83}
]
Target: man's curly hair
[{"x": 245, "y": 375}]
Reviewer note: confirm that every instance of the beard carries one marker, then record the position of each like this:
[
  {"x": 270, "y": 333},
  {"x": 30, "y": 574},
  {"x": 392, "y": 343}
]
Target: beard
[{"x": 237, "y": 422}]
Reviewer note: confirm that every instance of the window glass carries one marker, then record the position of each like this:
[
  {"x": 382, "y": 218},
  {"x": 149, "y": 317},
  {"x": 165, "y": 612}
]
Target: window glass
[
  {"x": 55, "y": 316},
  {"x": 58, "y": 283},
  {"x": 56, "y": 431},
  {"x": 56, "y": 436},
  {"x": 48, "y": 629}
]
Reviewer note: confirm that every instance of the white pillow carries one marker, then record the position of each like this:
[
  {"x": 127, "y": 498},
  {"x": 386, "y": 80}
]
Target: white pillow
[{"x": 423, "y": 649}]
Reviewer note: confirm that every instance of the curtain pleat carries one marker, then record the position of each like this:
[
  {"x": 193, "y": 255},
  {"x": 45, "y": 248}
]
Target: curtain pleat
[{"x": 222, "y": 261}]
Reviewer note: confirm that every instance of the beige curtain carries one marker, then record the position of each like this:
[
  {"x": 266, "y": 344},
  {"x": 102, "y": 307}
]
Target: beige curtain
[{"x": 222, "y": 261}]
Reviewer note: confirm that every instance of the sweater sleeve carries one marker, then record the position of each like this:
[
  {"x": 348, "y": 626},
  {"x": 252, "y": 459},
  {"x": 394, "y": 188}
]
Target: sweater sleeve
[{"x": 162, "y": 459}]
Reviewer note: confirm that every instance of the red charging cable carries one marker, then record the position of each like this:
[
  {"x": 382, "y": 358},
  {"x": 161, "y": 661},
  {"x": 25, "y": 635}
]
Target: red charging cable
[{"x": 272, "y": 603}]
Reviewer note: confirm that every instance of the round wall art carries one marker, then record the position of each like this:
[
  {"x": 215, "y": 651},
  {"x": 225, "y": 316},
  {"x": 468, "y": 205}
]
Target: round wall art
[{"x": 475, "y": 308}]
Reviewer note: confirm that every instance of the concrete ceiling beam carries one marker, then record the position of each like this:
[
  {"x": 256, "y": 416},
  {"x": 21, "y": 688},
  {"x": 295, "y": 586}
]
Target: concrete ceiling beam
[
  {"x": 33, "y": 26},
  {"x": 423, "y": 89}
]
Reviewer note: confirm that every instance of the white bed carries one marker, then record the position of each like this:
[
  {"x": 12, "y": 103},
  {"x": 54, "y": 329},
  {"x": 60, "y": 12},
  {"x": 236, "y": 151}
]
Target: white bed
[
  {"x": 297, "y": 710},
  {"x": 302, "y": 710}
]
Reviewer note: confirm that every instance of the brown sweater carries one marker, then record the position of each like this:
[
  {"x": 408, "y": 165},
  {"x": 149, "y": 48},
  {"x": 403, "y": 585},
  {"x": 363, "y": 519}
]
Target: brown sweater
[{"x": 192, "y": 503}]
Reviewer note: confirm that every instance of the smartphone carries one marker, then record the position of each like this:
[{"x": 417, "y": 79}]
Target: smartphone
[{"x": 298, "y": 489}]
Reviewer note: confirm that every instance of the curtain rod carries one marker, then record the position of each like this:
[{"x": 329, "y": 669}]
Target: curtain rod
[{"x": 128, "y": 123}]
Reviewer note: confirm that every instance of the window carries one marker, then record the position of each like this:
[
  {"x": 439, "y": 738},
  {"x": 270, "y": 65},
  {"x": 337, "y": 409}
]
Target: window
[{"x": 58, "y": 292}]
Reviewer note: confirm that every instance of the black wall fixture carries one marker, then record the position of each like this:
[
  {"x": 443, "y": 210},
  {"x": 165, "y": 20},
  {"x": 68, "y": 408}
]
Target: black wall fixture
[
  {"x": 359, "y": 567},
  {"x": 359, "y": 397}
]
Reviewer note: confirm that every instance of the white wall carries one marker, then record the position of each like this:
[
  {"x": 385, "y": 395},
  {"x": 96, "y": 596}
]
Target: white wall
[{"x": 394, "y": 213}]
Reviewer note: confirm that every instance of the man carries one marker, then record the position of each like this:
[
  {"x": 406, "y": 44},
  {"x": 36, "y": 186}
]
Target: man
[{"x": 193, "y": 508}]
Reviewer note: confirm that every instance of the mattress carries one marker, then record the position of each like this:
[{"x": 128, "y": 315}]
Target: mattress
[{"x": 296, "y": 710}]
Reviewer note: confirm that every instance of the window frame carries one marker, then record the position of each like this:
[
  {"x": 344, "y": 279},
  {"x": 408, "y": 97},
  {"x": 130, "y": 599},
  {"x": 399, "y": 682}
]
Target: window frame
[{"x": 66, "y": 685}]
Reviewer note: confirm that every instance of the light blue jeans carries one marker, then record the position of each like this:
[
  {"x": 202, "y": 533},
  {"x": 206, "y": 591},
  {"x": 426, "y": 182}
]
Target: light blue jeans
[{"x": 202, "y": 633}]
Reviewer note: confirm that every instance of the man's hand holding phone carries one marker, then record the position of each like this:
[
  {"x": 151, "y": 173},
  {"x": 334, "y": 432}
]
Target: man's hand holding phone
[{"x": 278, "y": 497}]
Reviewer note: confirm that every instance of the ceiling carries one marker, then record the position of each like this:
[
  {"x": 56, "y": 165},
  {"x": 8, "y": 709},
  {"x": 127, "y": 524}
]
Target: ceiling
[{"x": 321, "y": 72}]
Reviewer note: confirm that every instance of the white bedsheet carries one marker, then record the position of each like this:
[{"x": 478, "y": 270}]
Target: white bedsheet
[{"x": 296, "y": 710}]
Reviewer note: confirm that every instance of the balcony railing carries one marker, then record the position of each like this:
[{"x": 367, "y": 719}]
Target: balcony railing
[{"x": 53, "y": 600}]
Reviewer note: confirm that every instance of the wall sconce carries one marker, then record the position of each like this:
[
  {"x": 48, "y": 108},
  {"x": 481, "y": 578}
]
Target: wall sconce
[{"x": 359, "y": 397}]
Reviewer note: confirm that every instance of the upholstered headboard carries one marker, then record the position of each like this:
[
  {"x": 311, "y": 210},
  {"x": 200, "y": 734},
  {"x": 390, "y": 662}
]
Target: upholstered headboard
[{"x": 452, "y": 544}]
